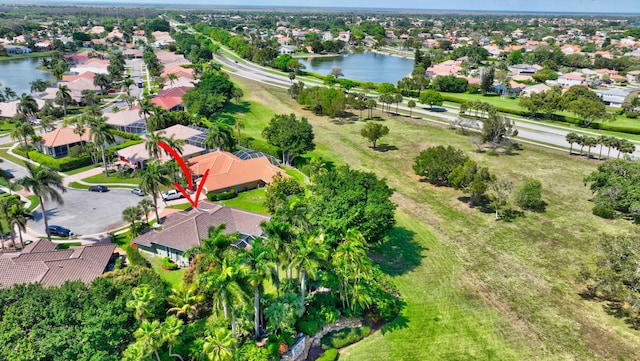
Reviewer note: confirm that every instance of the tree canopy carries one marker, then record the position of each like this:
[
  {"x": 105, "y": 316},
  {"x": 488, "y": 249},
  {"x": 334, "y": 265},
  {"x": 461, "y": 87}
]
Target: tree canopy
[
  {"x": 291, "y": 135},
  {"x": 436, "y": 163}
]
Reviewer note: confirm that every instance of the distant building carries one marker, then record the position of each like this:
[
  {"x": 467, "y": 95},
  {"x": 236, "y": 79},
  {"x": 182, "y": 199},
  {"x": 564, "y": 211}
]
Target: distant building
[{"x": 614, "y": 97}]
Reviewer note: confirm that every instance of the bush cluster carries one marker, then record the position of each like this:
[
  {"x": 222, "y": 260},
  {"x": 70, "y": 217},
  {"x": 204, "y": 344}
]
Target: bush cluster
[
  {"x": 135, "y": 258},
  {"x": 329, "y": 355},
  {"x": 168, "y": 264},
  {"x": 344, "y": 337},
  {"x": 212, "y": 196}
]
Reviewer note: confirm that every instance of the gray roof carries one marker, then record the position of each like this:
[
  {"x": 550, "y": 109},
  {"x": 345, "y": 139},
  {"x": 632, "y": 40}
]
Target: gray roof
[
  {"x": 42, "y": 262},
  {"x": 183, "y": 230},
  {"x": 622, "y": 92}
]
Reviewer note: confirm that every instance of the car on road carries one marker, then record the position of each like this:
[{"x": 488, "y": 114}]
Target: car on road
[
  {"x": 7, "y": 174},
  {"x": 98, "y": 189},
  {"x": 171, "y": 195},
  {"x": 59, "y": 231},
  {"x": 137, "y": 191}
]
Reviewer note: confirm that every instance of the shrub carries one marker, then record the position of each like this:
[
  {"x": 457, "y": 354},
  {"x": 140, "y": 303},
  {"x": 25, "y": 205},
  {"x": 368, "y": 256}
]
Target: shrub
[
  {"x": 212, "y": 196},
  {"x": 124, "y": 135},
  {"x": 344, "y": 337},
  {"x": 168, "y": 264},
  {"x": 632, "y": 115},
  {"x": 135, "y": 258},
  {"x": 529, "y": 195},
  {"x": 329, "y": 355},
  {"x": 310, "y": 327},
  {"x": 604, "y": 210}
]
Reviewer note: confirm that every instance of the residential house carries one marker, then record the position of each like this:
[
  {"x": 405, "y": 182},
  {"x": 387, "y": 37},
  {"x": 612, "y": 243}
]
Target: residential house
[
  {"x": 570, "y": 79},
  {"x": 42, "y": 262},
  {"x": 287, "y": 50},
  {"x": 57, "y": 142},
  {"x": 228, "y": 171},
  {"x": 523, "y": 69},
  {"x": 449, "y": 67},
  {"x": 614, "y": 97},
  {"x": 179, "y": 71},
  {"x": 172, "y": 104},
  {"x": 10, "y": 109},
  {"x": 633, "y": 77},
  {"x": 568, "y": 49},
  {"x": 185, "y": 229},
  {"x": 128, "y": 120},
  {"x": 15, "y": 50},
  {"x": 93, "y": 65},
  {"x": 538, "y": 88}
]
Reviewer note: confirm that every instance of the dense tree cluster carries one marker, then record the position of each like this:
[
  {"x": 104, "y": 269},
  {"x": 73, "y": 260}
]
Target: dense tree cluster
[
  {"x": 324, "y": 101},
  {"x": 616, "y": 187},
  {"x": 210, "y": 95},
  {"x": 291, "y": 135}
]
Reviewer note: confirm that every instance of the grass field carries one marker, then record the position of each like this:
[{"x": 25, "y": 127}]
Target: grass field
[
  {"x": 476, "y": 288},
  {"x": 174, "y": 278},
  {"x": 250, "y": 201},
  {"x": 113, "y": 178}
]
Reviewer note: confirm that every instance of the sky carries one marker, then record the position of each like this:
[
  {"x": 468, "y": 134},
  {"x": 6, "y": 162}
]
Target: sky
[{"x": 597, "y": 6}]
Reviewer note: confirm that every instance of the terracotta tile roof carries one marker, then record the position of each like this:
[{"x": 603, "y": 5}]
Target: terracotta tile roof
[
  {"x": 139, "y": 153},
  {"x": 167, "y": 103},
  {"x": 572, "y": 76},
  {"x": 42, "y": 262},
  {"x": 87, "y": 75},
  {"x": 227, "y": 170},
  {"x": 174, "y": 92},
  {"x": 63, "y": 136},
  {"x": 185, "y": 229}
]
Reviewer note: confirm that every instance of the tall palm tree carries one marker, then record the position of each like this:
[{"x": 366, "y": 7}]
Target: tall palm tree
[
  {"x": 146, "y": 108},
  {"x": 9, "y": 94},
  {"x": 38, "y": 85},
  {"x": 151, "y": 144},
  {"x": 146, "y": 205},
  {"x": 172, "y": 77},
  {"x": 5, "y": 209},
  {"x": 127, "y": 83},
  {"x": 218, "y": 344},
  {"x": 280, "y": 237},
  {"x": 169, "y": 331},
  {"x": 571, "y": 139},
  {"x": 23, "y": 131},
  {"x": 351, "y": 264},
  {"x": 151, "y": 178},
  {"x": 239, "y": 126},
  {"x": 18, "y": 217},
  {"x": 158, "y": 120},
  {"x": 100, "y": 134},
  {"x": 237, "y": 94},
  {"x": 80, "y": 129},
  {"x": 131, "y": 215},
  {"x": 219, "y": 136},
  {"x": 45, "y": 184},
  {"x": 63, "y": 97},
  {"x": 149, "y": 334},
  {"x": 257, "y": 259},
  {"x": 306, "y": 257},
  {"x": 27, "y": 106},
  {"x": 212, "y": 249},
  {"x": 142, "y": 298},
  {"x": 103, "y": 81}
]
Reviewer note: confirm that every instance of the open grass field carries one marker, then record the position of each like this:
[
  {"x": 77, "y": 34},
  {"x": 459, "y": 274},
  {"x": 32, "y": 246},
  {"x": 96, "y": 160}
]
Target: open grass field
[
  {"x": 113, "y": 178},
  {"x": 476, "y": 288},
  {"x": 249, "y": 201}
]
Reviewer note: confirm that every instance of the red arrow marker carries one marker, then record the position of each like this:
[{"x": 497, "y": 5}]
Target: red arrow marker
[{"x": 186, "y": 172}]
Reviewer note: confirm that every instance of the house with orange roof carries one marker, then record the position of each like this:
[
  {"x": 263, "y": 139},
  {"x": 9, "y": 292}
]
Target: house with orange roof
[
  {"x": 179, "y": 71},
  {"x": 172, "y": 104},
  {"x": 87, "y": 75},
  {"x": 178, "y": 91},
  {"x": 57, "y": 142},
  {"x": 229, "y": 172},
  {"x": 568, "y": 49},
  {"x": 449, "y": 67}
]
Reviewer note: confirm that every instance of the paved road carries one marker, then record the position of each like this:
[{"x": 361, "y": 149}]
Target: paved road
[{"x": 85, "y": 212}]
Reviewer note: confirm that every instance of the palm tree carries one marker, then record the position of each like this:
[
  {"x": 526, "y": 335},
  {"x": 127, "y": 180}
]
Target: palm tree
[
  {"x": 146, "y": 108},
  {"x": 169, "y": 331},
  {"x": 306, "y": 257},
  {"x": 172, "y": 77},
  {"x": 131, "y": 215},
  {"x": 9, "y": 94},
  {"x": 45, "y": 184},
  {"x": 146, "y": 205},
  {"x": 237, "y": 94},
  {"x": 5, "y": 206},
  {"x": 218, "y": 344},
  {"x": 149, "y": 334},
  {"x": 239, "y": 125},
  {"x": 89, "y": 96},
  {"x": 142, "y": 298},
  {"x": 292, "y": 77},
  {"x": 18, "y": 216},
  {"x": 23, "y": 131},
  {"x": 351, "y": 263},
  {"x": 63, "y": 97},
  {"x": 27, "y": 106},
  {"x": 151, "y": 145},
  {"x": 212, "y": 249},
  {"x": 590, "y": 142},
  {"x": 38, "y": 85},
  {"x": 151, "y": 178},
  {"x": 103, "y": 81},
  {"x": 601, "y": 141},
  {"x": 100, "y": 134},
  {"x": 257, "y": 259},
  {"x": 80, "y": 129},
  {"x": 571, "y": 139},
  {"x": 280, "y": 237},
  {"x": 411, "y": 104},
  {"x": 185, "y": 301},
  {"x": 127, "y": 83},
  {"x": 219, "y": 136}
]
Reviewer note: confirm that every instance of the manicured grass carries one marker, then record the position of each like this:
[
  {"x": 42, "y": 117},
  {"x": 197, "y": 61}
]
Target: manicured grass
[
  {"x": 78, "y": 185},
  {"x": 181, "y": 207},
  {"x": 35, "y": 202},
  {"x": 297, "y": 175},
  {"x": 5, "y": 154},
  {"x": 83, "y": 169},
  {"x": 476, "y": 288},
  {"x": 112, "y": 178},
  {"x": 250, "y": 200},
  {"x": 174, "y": 278}
]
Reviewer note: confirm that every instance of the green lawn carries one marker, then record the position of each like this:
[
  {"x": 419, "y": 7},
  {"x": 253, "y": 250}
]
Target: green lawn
[
  {"x": 174, "y": 278},
  {"x": 297, "y": 175},
  {"x": 113, "y": 178},
  {"x": 35, "y": 202},
  {"x": 82, "y": 169},
  {"x": 250, "y": 200},
  {"x": 181, "y": 207},
  {"x": 475, "y": 288}
]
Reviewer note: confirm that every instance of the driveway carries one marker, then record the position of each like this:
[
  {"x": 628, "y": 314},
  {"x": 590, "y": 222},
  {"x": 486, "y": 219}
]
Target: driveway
[{"x": 85, "y": 212}]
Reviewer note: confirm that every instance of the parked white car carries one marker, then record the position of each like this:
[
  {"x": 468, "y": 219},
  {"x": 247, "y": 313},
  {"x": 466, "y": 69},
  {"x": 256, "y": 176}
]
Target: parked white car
[{"x": 171, "y": 195}]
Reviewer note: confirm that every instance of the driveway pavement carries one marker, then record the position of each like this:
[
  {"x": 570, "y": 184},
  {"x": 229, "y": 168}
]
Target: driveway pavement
[{"x": 86, "y": 213}]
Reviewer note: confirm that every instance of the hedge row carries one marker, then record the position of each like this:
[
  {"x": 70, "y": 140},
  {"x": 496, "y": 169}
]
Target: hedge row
[
  {"x": 329, "y": 355},
  {"x": 125, "y": 135},
  {"x": 344, "y": 337},
  {"x": 67, "y": 163},
  {"x": 222, "y": 196},
  {"x": 135, "y": 258}
]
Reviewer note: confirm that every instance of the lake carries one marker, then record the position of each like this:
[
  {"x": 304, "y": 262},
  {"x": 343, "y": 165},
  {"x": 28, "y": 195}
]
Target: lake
[
  {"x": 18, "y": 73},
  {"x": 364, "y": 66}
]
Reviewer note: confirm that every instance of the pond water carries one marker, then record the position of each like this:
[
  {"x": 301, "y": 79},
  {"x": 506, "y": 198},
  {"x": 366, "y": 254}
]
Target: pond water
[
  {"x": 364, "y": 66},
  {"x": 18, "y": 73}
]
